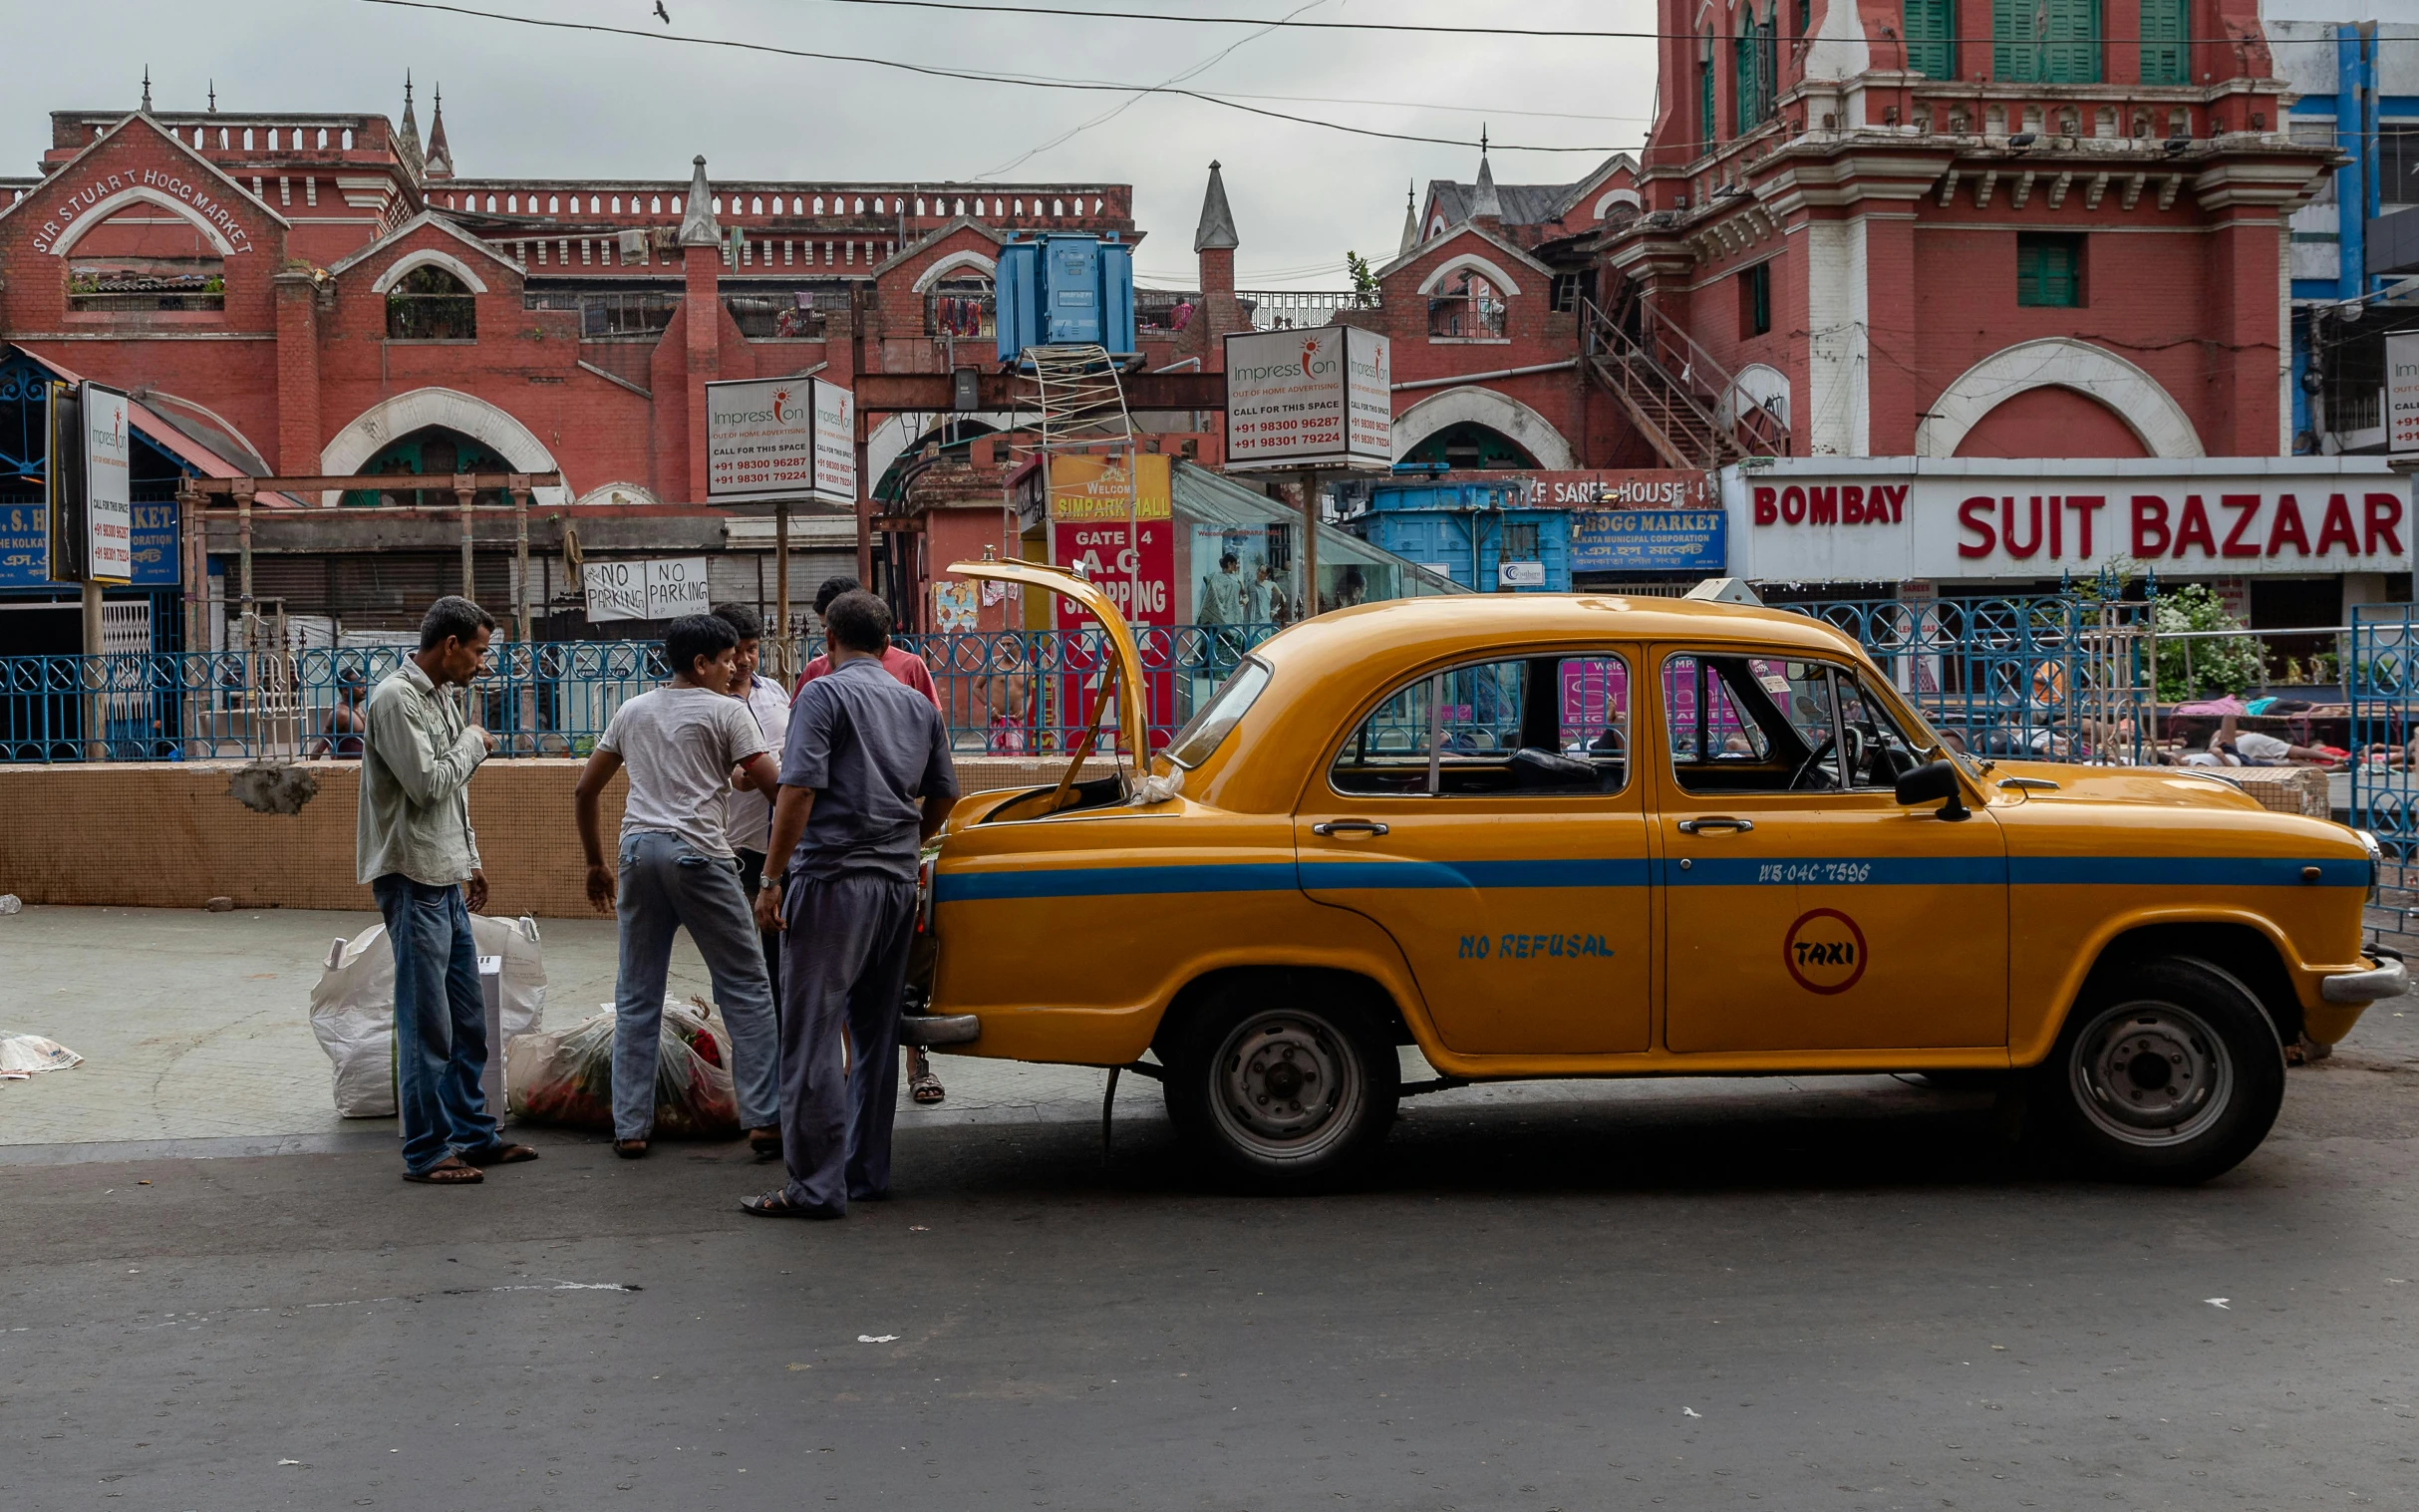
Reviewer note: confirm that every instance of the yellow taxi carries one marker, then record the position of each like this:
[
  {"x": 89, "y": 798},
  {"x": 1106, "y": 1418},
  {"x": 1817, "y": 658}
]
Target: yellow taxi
[{"x": 1583, "y": 836}]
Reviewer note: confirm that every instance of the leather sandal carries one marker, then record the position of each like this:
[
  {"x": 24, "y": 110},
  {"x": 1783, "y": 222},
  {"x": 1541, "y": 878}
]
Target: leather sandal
[
  {"x": 779, "y": 1204},
  {"x": 450, "y": 1171},
  {"x": 630, "y": 1149},
  {"x": 500, "y": 1153},
  {"x": 766, "y": 1141}
]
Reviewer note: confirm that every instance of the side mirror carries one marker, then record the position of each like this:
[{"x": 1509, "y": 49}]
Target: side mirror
[{"x": 1934, "y": 780}]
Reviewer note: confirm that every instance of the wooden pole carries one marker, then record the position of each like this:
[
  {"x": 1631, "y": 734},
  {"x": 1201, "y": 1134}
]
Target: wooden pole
[
  {"x": 1310, "y": 544},
  {"x": 780, "y": 589},
  {"x": 520, "y": 553},
  {"x": 464, "y": 491},
  {"x": 244, "y": 559},
  {"x": 96, "y": 706}
]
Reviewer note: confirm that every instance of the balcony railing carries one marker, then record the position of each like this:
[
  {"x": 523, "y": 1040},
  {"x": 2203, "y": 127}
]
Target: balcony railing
[{"x": 1293, "y": 309}]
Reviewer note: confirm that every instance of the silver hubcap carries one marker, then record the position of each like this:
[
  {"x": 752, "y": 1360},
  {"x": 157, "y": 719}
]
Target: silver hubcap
[
  {"x": 2152, "y": 1073},
  {"x": 1286, "y": 1086}
]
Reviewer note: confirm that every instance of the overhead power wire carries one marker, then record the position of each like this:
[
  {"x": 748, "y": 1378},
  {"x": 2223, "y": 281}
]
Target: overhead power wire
[
  {"x": 970, "y": 76},
  {"x": 1554, "y": 33}
]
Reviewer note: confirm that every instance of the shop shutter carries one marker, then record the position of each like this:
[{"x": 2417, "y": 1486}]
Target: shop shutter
[
  {"x": 2045, "y": 41},
  {"x": 1931, "y": 28},
  {"x": 2166, "y": 38}
]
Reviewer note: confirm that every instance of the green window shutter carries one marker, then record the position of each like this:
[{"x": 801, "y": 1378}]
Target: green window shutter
[
  {"x": 1704, "y": 102},
  {"x": 2049, "y": 270},
  {"x": 2045, "y": 41},
  {"x": 1742, "y": 80},
  {"x": 1931, "y": 32},
  {"x": 2166, "y": 35}
]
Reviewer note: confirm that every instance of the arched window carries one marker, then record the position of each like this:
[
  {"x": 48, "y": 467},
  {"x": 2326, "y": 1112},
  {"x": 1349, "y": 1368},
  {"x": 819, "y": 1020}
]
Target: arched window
[
  {"x": 1704, "y": 94},
  {"x": 818, "y": 205},
  {"x": 431, "y": 451},
  {"x": 1467, "y": 443},
  {"x": 512, "y": 204},
  {"x": 348, "y": 139},
  {"x": 1758, "y": 67},
  {"x": 756, "y": 205},
  {"x": 554, "y": 204},
  {"x": 431, "y": 304}
]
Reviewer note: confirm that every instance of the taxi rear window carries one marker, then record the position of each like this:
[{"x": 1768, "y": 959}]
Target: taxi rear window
[{"x": 1211, "y": 724}]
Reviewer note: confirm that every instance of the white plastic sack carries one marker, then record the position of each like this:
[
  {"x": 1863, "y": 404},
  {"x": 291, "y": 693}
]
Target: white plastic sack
[
  {"x": 353, "y": 1007},
  {"x": 23, "y": 1055}
]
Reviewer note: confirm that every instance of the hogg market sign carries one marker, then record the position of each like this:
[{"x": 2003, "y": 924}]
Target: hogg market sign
[
  {"x": 1893, "y": 519},
  {"x": 106, "y": 191}
]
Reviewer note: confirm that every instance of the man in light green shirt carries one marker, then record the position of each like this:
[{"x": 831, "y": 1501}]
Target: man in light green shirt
[{"x": 417, "y": 851}]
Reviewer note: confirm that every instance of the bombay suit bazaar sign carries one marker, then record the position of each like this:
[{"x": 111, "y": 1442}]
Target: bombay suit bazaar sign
[{"x": 1892, "y": 519}]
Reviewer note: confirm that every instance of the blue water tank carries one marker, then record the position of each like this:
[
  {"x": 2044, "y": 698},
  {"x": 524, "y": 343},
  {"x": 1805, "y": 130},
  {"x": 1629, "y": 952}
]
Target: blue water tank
[{"x": 1065, "y": 291}]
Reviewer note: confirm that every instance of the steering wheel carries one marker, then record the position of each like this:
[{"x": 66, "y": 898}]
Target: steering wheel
[{"x": 1797, "y": 778}]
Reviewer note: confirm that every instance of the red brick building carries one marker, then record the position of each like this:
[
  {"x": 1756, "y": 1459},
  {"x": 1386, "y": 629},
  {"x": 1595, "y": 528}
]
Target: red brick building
[
  {"x": 327, "y": 294},
  {"x": 1912, "y": 233}
]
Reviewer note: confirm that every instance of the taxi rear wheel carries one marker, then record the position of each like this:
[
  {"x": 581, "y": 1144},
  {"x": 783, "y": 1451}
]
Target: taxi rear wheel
[
  {"x": 1282, "y": 1094},
  {"x": 2169, "y": 1073}
]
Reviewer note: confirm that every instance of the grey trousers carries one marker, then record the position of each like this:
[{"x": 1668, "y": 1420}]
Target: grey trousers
[
  {"x": 843, "y": 967},
  {"x": 665, "y": 885}
]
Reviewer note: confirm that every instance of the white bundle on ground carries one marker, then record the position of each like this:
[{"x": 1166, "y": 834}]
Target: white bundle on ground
[
  {"x": 567, "y": 1077},
  {"x": 353, "y": 1007},
  {"x": 23, "y": 1055}
]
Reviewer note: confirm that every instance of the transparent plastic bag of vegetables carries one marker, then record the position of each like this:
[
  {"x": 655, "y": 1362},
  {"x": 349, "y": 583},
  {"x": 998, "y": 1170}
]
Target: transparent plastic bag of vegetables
[{"x": 567, "y": 1077}]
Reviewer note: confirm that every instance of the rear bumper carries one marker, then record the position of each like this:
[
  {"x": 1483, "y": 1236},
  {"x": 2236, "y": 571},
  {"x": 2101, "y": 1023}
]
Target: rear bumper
[
  {"x": 2388, "y": 981},
  {"x": 940, "y": 1028}
]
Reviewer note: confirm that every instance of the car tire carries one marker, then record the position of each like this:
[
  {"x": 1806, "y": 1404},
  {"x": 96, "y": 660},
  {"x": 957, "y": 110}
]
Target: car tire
[
  {"x": 1281, "y": 1092},
  {"x": 2169, "y": 1072}
]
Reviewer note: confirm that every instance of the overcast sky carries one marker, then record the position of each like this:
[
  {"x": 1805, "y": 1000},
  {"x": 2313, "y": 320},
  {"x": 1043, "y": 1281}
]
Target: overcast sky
[{"x": 521, "y": 101}]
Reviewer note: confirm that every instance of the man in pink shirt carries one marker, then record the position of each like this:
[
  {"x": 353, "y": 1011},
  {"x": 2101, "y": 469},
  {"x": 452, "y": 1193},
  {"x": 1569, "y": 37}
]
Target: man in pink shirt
[
  {"x": 906, "y": 666},
  {"x": 924, "y": 1087}
]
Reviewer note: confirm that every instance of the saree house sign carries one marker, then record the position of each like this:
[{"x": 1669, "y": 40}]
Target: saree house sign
[{"x": 1892, "y": 519}]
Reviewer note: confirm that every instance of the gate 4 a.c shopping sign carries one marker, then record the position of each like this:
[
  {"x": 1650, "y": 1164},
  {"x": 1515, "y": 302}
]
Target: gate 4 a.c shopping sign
[{"x": 1893, "y": 519}]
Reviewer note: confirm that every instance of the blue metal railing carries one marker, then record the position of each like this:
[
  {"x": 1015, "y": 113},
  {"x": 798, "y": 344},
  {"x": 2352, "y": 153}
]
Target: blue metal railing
[
  {"x": 1004, "y": 693},
  {"x": 2384, "y": 690}
]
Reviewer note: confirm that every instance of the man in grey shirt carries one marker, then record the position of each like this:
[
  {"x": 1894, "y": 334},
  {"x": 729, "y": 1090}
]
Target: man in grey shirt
[
  {"x": 866, "y": 780},
  {"x": 414, "y": 847},
  {"x": 679, "y": 743}
]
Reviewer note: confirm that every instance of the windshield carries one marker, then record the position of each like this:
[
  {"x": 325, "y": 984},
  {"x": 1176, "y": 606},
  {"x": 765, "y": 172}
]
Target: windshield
[{"x": 1209, "y": 726}]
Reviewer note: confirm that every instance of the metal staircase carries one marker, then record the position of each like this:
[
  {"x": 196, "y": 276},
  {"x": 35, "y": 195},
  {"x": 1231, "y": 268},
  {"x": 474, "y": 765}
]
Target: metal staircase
[{"x": 1689, "y": 406}]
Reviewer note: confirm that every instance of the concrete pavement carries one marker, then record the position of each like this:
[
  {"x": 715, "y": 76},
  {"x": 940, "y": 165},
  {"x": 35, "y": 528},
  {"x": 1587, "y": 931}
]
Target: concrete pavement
[{"x": 1820, "y": 1294}]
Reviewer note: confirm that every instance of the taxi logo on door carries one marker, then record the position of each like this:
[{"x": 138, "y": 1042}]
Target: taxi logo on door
[{"x": 1824, "y": 951}]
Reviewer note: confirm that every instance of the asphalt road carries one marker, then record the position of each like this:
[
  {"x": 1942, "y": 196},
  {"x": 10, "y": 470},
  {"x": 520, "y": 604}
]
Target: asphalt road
[{"x": 1836, "y": 1300}]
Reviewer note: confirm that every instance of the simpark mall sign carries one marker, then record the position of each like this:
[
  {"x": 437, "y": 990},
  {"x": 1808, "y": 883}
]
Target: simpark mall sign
[{"x": 1890, "y": 520}]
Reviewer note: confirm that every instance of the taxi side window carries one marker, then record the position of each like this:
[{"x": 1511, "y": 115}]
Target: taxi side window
[
  {"x": 1521, "y": 725},
  {"x": 1741, "y": 724}
]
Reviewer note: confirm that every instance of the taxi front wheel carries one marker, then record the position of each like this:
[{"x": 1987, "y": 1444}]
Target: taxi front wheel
[
  {"x": 1282, "y": 1095},
  {"x": 2168, "y": 1072}
]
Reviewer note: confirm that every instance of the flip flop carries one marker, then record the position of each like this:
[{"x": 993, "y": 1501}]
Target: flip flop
[
  {"x": 777, "y": 1204},
  {"x": 925, "y": 1087},
  {"x": 446, "y": 1173},
  {"x": 500, "y": 1153}
]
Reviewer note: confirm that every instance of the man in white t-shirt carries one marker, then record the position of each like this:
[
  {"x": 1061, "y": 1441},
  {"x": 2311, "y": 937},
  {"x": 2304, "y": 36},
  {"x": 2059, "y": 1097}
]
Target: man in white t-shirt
[
  {"x": 748, "y": 813},
  {"x": 679, "y": 743}
]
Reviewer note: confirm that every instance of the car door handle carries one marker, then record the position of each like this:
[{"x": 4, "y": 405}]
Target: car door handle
[
  {"x": 1347, "y": 826},
  {"x": 1712, "y": 823}
]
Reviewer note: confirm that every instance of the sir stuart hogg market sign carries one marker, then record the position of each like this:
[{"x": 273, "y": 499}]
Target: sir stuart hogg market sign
[
  {"x": 1892, "y": 519},
  {"x": 78, "y": 205}
]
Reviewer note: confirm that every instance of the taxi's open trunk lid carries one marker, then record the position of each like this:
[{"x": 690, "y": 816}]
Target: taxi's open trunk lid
[{"x": 1132, "y": 712}]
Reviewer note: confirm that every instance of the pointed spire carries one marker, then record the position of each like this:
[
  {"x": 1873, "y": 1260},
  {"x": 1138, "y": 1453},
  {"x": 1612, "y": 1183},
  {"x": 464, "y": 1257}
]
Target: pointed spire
[
  {"x": 408, "y": 143},
  {"x": 214, "y": 97},
  {"x": 1217, "y": 229},
  {"x": 1486, "y": 204},
  {"x": 147, "y": 89},
  {"x": 440, "y": 154},
  {"x": 697, "y": 228},
  {"x": 1410, "y": 218}
]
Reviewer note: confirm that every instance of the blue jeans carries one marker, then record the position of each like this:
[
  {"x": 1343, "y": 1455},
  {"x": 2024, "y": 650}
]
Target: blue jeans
[
  {"x": 665, "y": 885},
  {"x": 441, "y": 1022}
]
